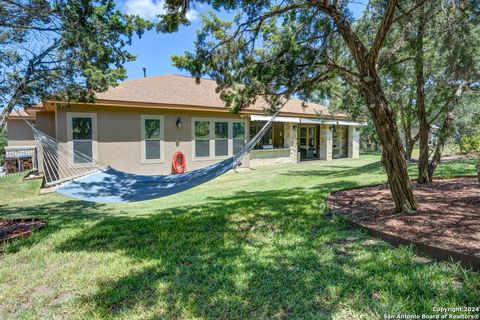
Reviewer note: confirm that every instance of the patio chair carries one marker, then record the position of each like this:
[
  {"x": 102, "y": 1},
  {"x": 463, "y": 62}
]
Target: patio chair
[
  {"x": 27, "y": 164},
  {"x": 11, "y": 166}
]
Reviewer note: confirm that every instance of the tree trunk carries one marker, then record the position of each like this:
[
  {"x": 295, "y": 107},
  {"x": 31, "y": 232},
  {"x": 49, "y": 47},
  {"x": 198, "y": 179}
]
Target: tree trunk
[
  {"x": 442, "y": 135},
  {"x": 406, "y": 122},
  {"x": 443, "y": 131},
  {"x": 409, "y": 148},
  {"x": 370, "y": 87},
  {"x": 393, "y": 157},
  {"x": 11, "y": 104},
  {"x": 424, "y": 127}
]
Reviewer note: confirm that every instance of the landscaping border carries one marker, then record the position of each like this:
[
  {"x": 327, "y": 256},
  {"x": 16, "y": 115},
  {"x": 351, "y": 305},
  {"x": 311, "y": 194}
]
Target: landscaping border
[
  {"x": 466, "y": 260},
  {"x": 25, "y": 233}
]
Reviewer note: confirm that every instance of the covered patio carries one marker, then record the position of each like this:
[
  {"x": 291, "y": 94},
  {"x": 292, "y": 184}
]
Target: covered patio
[{"x": 298, "y": 139}]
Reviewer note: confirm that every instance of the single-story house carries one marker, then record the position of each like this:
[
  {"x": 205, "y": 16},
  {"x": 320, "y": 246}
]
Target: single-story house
[{"x": 138, "y": 125}]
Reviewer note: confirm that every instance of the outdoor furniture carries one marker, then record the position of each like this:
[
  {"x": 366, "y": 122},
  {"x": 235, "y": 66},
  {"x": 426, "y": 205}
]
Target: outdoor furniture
[
  {"x": 11, "y": 165},
  {"x": 27, "y": 164}
]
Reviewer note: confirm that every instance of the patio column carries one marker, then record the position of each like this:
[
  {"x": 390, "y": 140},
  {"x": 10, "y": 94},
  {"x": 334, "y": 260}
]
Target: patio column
[
  {"x": 326, "y": 143},
  {"x": 353, "y": 142},
  {"x": 291, "y": 140}
]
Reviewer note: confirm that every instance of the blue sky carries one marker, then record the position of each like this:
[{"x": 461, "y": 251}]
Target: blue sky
[{"x": 154, "y": 50}]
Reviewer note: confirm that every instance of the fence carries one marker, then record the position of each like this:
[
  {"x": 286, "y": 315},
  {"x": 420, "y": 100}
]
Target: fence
[{"x": 19, "y": 161}]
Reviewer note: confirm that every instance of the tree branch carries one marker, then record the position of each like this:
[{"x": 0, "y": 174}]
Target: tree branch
[
  {"x": 22, "y": 86},
  {"x": 387, "y": 21}
]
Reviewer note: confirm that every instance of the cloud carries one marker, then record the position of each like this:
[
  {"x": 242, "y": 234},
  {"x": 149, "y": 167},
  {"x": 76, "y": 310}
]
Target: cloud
[
  {"x": 192, "y": 15},
  {"x": 149, "y": 9}
]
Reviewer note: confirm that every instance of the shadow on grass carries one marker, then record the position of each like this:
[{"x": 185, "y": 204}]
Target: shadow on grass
[
  {"x": 57, "y": 215},
  {"x": 271, "y": 254},
  {"x": 340, "y": 170}
]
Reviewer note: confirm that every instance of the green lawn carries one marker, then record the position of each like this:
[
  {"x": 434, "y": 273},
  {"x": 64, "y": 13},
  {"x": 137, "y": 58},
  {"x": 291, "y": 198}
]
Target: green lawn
[{"x": 249, "y": 245}]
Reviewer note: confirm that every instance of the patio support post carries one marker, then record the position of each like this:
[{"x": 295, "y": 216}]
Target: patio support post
[
  {"x": 291, "y": 140},
  {"x": 353, "y": 142},
  {"x": 328, "y": 144}
]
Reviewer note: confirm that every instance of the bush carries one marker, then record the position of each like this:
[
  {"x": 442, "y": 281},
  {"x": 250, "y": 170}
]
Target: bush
[
  {"x": 470, "y": 144},
  {"x": 451, "y": 147}
]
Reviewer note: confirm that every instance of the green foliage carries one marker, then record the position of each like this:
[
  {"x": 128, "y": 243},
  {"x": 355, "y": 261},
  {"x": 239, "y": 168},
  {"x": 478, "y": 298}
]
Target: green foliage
[
  {"x": 471, "y": 144},
  {"x": 450, "y": 56},
  {"x": 467, "y": 117},
  {"x": 369, "y": 140},
  {"x": 451, "y": 147},
  {"x": 64, "y": 49},
  {"x": 268, "y": 52}
]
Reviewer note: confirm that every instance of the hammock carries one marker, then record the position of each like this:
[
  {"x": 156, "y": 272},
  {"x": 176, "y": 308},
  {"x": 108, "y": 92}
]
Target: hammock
[{"x": 77, "y": 175}]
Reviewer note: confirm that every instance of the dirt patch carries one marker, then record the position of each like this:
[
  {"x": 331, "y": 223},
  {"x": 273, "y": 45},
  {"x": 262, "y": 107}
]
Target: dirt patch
[
  {"x": 448, "y": 216},
  {"x": 15, "y": 228}
]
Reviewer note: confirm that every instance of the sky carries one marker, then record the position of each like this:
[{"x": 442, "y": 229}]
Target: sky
[{"x": 154, "y": 50}]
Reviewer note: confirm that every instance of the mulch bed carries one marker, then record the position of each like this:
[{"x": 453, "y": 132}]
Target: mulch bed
[
  {"x": 448, "y": 218},
  {"x": 15, "y": 228}
]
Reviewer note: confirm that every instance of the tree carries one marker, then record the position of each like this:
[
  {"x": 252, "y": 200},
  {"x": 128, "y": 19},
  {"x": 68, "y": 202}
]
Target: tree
[
  {"x": 437, "y": 48},
  {"x": 450, "y": 70},
  {"x": 289, "y": 49},
  {"x": 64, "y": 49}
]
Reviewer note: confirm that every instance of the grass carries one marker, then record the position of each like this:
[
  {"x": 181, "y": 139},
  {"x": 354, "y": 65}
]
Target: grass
[{"x": 251, "y": 245}]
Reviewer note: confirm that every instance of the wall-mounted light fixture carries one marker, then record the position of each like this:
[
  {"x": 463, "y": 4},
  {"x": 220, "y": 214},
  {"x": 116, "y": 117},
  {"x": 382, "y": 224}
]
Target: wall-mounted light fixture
[
  {"x": 179, "y": 123},
  {"x": 295, "y": 128}
]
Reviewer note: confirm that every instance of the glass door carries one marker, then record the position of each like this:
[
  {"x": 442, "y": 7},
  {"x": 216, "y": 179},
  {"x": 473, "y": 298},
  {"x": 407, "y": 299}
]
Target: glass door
[
  {"x": 308, "y": 142},
  {"x": 340, "y": 142}
]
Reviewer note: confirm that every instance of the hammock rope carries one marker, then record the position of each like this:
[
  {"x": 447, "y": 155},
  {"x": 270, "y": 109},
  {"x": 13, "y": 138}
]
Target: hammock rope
[{"x": 83, "y": 177}]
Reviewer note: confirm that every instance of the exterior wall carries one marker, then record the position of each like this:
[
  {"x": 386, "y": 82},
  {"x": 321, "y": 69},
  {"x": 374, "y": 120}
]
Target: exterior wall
[
  {"x": 353, "y": 142},
  {"x": 19, "y": 134},
  {"x": 262, "y": 158},
  {"x": 119, "y": 137},
  {"x": 45, "y": 122}
]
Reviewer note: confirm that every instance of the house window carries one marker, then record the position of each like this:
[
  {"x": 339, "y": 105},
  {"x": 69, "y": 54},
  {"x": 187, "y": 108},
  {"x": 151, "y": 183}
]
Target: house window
[
  {"x": 303, "y": 136},
  {"x": 217, "y": 137},
  {"x": 152, "y": 138},
  {"x": 221, "y": 139},
  {"x": 81, "y": 136},
  {"x": 238, "y": 136},
  {"x": 202, "y": 138}
]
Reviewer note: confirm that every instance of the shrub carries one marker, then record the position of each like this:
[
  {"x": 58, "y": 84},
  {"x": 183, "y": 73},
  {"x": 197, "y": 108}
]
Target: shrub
[{"x": 471, "y": 144}]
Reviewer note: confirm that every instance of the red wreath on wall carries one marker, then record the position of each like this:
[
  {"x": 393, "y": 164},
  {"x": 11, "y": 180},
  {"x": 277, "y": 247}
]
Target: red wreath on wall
[{"x": 179, "y": 162}]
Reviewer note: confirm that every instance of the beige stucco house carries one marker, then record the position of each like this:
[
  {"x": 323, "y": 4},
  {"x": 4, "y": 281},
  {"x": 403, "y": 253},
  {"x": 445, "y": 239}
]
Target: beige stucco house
[{"x": 137, "y": 126}]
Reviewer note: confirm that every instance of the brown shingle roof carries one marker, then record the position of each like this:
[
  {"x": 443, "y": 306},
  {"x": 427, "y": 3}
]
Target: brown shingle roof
[
  {"x": 26, "y": 112},
  {"x": 183, "y": 90}
]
